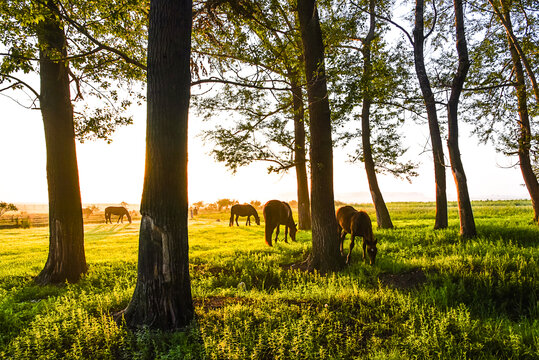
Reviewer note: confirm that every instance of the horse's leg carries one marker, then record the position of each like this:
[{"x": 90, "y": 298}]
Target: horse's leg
[
  {"x": 364, "y": 248},
  {"x": 285, "y": 233},
  {"x": 342, "y": 235},
  {"x": 277, "y": 232},
  {"x": 352, "y": 238},
  {"x": 248, "y": 222},
  {"x": 237, "y": 216}
]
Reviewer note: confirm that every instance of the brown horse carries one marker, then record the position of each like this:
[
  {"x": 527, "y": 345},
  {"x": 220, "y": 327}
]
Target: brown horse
[
  {"x": 243, "y": 210},
  {"x": 87, "y": 212},
  {"x": 356, "y": 223},
  {"x": 116, "y": 210},
  {"x": 278, "y": 213}
]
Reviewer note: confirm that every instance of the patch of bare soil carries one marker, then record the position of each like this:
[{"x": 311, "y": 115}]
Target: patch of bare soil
[{"x": 404, "y": 281}]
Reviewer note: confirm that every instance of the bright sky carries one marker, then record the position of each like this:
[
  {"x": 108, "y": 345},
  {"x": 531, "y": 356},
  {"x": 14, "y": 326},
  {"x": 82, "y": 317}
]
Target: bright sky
[{"x": 112, "y": 173}]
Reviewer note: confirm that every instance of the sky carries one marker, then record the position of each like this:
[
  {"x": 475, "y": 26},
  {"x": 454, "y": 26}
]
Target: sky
[{"x": 113, "y": 173}]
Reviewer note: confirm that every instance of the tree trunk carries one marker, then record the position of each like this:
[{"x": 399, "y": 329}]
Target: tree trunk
[
  {"x": 434, "y": 128},
  {"x": 382, "y": 214},
  {"x": 66, "y": 260},
  {"x": 162, "y": 297},
  {"x": 304, "y": 203},
  {"x": 467, "y": 223},
  {"x": 325, "y": 254},
  {"x": 524, "y": 141}
]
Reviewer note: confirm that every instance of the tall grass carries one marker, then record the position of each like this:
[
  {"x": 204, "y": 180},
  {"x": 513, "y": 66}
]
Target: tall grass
[{"x": 430, "y": 295}]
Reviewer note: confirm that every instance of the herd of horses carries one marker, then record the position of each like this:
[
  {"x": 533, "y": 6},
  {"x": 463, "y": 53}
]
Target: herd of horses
[{"x": 276, "y": 213}]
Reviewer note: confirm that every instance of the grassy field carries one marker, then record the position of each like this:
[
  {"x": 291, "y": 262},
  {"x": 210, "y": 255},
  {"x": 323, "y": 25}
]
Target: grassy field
[{"x": 430, "y": 295}]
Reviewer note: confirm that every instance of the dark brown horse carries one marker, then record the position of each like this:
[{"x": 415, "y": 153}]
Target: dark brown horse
[
  {"x": 116, "y": 210},
  {"x": 243, "y": 210},
  {"x": 356, "y": 223},
  {"x": 278, "y": 213}
]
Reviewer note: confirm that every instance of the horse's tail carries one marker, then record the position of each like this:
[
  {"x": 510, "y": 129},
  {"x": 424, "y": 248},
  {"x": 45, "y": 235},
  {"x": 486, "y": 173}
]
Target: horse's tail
[{"x": 231, "y": 222}]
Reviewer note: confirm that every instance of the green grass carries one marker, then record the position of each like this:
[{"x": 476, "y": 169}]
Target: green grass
[{"x": 430, "y": 295}]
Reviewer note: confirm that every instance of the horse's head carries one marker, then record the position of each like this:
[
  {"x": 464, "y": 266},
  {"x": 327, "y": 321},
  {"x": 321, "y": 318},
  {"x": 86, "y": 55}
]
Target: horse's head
[
  {"x": 257, "y": 219},
  {"x": 371, "y": 249},
  {"x": 293, "y": 231}
]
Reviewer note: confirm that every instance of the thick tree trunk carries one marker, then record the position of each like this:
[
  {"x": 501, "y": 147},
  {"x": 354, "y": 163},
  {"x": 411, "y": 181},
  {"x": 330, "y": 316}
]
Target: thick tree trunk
[
  {"x": 304, "y": 203},
  {"x": 467, "y": 223},
  {"x": 434, "y": 128},
  {"x": 524, "y": 141},
  {"x": 162, "y": 297},
  {"x": 382, "y": 214},
  {"x": 66, "y": 261},
  {"x": 325, "y": 254}
]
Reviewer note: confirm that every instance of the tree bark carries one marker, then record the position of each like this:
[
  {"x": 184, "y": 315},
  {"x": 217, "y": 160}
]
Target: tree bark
[
  {"x": 434, "y": 128},
  {"x": 524, "y": 141},
  {"x": 162, "y": 297},
  {"x": 304, "y": 203},
  {"x": 66, "y": 260},
  {"x": 325, "y": 254},
  {"x": 467, "y": 223},
  {"x": 383, "y": 219}
]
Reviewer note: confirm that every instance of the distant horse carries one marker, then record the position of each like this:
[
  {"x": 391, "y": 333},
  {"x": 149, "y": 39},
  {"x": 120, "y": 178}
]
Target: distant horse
[
  {"x": 87, "y": 212},
  {"x": 356, "y": 223},
  {"x": 278, "y": 213},
  {"x": 243, "y": 210},
  {"x": 116, "y": 210}
]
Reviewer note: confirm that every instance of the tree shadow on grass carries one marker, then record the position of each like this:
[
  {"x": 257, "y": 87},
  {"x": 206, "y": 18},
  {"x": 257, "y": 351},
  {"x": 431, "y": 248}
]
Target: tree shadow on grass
[
  {"x": 106, "y": 229},
  {"x": 518, "y": 235}
]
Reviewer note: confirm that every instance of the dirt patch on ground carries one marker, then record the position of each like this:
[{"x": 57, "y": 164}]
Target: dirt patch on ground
[{"x": 405, "y": 281}]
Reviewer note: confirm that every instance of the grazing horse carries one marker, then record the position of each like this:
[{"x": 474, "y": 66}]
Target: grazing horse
[
  {"x": 243, "y": 210},
  {"x": 278, "y": 213},
  {"x": 87, "y": 212},
  {"x": 356, "y": 223},
  {"x": 116, "y": 210}
]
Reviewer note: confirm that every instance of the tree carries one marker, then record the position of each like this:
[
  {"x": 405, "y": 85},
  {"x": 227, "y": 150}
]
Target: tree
[
  {"x": 37, "y": 31},
  {"x": 66, "y": 260},
  {"x": 162, "y": 297},
  {"x": 382, "y": 214},
  {"x": 225, "y": 203},
  {"x": 467, "y": 223},
  {"x": 525, "y": 136},
  {"x": 250, "y": 36},
  {"x": 418, "y": 43},
  {"x": 500, "y": 94},
  {"x": 325, "y": 255},
  {"x": 5, "y": 207}
]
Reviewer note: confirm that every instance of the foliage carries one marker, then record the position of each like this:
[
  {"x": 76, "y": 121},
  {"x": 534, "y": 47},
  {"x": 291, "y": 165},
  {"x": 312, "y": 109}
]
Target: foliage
[
  {"x": 253, "y": 49},
  {"x": 102, "y": 40},
  {"x": 492, "y": 106},
  {"x": 5, "y": 207},
  {"x": 225, "y": 203},
  {"x": 430, "y": 295}
]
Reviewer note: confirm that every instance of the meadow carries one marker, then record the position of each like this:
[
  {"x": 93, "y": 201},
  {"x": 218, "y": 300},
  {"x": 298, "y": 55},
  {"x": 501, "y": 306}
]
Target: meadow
[{"x": 431, "y": 294}]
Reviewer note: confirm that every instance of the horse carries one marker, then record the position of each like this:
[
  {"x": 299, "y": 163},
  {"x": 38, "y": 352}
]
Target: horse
[
  {"x": 87, "y": 212},
  {"x": 356, "y": 223},
  {"x": 278, "y": 213},
  {"x": 243, "y": 210},
  {"x": 116, "y": 210}
]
